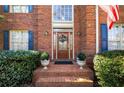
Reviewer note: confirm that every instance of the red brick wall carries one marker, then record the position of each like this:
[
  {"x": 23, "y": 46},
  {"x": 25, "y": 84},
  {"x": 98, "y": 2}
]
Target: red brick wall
[
  {"x": 19, "y": 21},
  {"x": 87, "y": 28},
  {"x": 77, "y": 40},
  {"x": 44, "y": 18},
  {"x": 40, "y": 21},
  {"x": 90, "y": 33},
  {"x": 83, "y": 20}
]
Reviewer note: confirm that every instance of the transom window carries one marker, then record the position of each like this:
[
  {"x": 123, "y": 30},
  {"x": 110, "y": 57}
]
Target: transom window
[
  {"x": 116, "y": 37},
  {"x": 62, "y": 13},
  {"x": 18, "y": 40},
  {"x": 19, "y": 9}
]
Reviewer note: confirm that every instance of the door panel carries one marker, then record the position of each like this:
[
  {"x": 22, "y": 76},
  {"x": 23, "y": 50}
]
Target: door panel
[{"x": 63, "y": 45}]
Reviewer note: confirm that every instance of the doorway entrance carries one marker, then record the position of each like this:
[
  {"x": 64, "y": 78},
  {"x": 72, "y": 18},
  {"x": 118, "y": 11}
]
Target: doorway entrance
[{"x": 63, "y": 44}]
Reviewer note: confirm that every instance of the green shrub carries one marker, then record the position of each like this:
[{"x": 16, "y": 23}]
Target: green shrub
[
  {"x": 44, "y": 55},
  {"x": 109, "y": 68},
  {"x": 81, "y": 56},
  {"x": 19, "y": 55},
  {"x": 16, "y": 67}
]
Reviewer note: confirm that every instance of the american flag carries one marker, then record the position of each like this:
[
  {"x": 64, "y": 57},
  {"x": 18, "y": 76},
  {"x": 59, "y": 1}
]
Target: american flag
[{"x": 112, "y": 14}]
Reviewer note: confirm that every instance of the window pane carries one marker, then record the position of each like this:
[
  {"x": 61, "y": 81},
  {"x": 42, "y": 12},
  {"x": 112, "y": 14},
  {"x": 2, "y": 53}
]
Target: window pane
[
  {"x": 18, "y": 40},
  {"x": 116, "y": 38},
  {"x": 62, "y": 13},
  {"x": 19, "y": 9}
]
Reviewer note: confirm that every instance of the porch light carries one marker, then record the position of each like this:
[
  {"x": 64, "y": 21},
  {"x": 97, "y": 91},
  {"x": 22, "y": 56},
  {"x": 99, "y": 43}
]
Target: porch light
[
  {"x": 46, "y": 33},
  {"x": 78, "y": 33}
]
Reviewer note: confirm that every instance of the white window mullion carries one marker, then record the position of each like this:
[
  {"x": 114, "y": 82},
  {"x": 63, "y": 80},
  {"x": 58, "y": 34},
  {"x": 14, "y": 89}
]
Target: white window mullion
[
  {"x": 18, "y": 40},
  {"x": 119, "y": 28},
  {"x": 61, "y": 13},
  {"x": 122, "y": 37},
  {"x": 19, "y": 9},
  {"x": 116, "y": 38}
]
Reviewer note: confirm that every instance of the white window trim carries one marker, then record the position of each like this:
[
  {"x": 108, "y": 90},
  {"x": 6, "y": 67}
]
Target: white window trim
[
  {"x": 63, "y": 24},
  {"x": 97, "y": 29},
  {"x": 120, "y": 39},
  {"x": 11, "y": 36},
  {"x": 11, "y": 9},
  {"x": 53, "y": 21}
]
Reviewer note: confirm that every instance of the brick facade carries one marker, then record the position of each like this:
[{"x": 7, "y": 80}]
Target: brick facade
[
  {"x": 44, "y": 17},
  {"x": 84, "y": 22},
  {"x": 40, "y": 21}
]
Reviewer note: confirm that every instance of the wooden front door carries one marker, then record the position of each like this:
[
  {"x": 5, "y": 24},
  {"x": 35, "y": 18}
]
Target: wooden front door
[{"x": 63, "y": 45}]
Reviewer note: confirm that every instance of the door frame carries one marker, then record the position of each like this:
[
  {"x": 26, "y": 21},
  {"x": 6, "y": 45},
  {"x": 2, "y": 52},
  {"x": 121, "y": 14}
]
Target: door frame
[
  {"x": 72, "y": 27},
  {"x": 68, "y": 31}
]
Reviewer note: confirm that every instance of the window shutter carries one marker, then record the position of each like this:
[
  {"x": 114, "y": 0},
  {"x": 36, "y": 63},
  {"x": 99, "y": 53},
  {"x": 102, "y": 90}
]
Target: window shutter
[
  {"x": 6, "y": 8},
  {"x": 30, "y": 8},
  {"x": 30, "y": 40},
  {"x": 6, "y": 40},
  {"x": 104, "y": 36}
]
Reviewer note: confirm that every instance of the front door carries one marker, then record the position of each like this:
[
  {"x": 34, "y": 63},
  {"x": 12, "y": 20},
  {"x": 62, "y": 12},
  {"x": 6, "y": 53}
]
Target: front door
[{"x": 63, "y": 45}]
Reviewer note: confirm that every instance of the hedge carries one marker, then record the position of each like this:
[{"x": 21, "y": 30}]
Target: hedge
[
  {"x": 109, "y": 68},
  {"x": 16, "y": 67},
  {"x": 19, "y": 56}
]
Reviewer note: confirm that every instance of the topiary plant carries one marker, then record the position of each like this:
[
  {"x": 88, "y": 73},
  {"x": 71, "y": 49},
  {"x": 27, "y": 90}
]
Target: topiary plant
[
  {"x": 44, "y": 56},
  {"x": 81, "y": 56}
]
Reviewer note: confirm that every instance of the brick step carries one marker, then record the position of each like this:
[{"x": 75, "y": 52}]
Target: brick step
[
  {"x": 63, "y": 76},
  {"x": 60, "y": 74},
  {"x": 57, "y": 74},
  {"x": 63, "y": 82},
  {"x": 59, "y": 71}
]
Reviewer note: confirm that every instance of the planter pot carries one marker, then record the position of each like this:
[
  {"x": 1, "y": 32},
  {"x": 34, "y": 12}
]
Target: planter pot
[
  {"x": 81, "y": 63},
  {"x": 45, "y": 63}
]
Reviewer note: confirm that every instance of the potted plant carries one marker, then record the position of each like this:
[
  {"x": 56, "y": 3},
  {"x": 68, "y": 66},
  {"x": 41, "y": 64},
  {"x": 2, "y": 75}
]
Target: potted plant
[
  {"x": 44, "y": 59},
  {"x": 81, "y": 59}
]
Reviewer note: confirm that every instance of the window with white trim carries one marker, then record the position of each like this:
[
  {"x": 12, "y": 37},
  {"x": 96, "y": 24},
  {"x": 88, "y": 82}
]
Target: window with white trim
[
  {"x": 19, "y": 9},
  {"x": 62, "y": 13},
  {"x": 116, "y": 37},
  {"x": 18, "y": 40}
]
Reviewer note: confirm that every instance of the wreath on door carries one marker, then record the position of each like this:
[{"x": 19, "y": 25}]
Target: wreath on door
[{"x": 62, "y": 38}]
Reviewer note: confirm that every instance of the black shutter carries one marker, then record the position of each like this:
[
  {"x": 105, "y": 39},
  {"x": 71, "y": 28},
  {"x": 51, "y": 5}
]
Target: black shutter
[
  {"x": 30, "y": 40},
  {"x": 104, "y": 34},
  {"x": 6, "y": 8},
  {"x": 30, "y": 8},
  {"x": 6, "y": 40}
]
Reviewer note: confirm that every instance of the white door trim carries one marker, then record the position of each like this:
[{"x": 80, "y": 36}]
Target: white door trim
[
  {"x": 97, "y": 29},
  {"x": 73, "y": 30}
]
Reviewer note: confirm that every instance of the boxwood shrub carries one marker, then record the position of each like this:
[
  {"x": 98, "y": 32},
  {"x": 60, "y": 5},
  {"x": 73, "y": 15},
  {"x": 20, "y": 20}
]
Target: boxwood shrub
[
  {"x": 19, "y": 55},
  {"x": 109, "y": 68},
  {"x": 16, "y": 67}
]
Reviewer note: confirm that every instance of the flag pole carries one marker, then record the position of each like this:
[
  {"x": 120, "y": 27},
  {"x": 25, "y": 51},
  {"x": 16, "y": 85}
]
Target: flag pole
[{"x": 97, "y": 29}]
